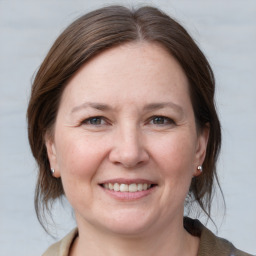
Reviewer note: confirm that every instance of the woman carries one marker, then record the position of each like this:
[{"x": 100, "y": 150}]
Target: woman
[{"x": 122, "y": 122}]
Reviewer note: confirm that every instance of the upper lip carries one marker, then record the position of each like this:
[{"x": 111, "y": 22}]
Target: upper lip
[{"x": 128, "y": 181}]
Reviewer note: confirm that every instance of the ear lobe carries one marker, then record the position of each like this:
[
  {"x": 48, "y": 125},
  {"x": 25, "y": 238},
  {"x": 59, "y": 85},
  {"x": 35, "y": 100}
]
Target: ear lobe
[{"x": 52, "y": 156}]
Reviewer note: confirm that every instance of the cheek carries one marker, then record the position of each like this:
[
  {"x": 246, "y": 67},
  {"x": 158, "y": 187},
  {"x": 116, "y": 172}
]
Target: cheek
[
  {"x": 176, "y": 154},
  {"x": 78, "y": 165},
  {"x": 78, "y": 161}
]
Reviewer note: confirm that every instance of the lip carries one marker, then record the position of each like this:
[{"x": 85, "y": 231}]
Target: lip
[{"x": 128, "y": 196}]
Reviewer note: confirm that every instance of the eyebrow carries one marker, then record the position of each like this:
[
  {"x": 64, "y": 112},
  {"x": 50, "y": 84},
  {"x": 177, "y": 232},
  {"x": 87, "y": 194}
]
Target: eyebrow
[
  {"x": 99, "y": 106},
  {"x": 156, "y": 106},
  {"x": 148, "y": 107}
]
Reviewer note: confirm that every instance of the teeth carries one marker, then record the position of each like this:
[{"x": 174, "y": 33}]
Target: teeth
[
  {"x": 116, "y": 187},
  {"x": 124, "y": 188},
  {"x": 127, "y": 188},
  {"x": 133, "y": 188},
  {"x": 140, "y": 187}
]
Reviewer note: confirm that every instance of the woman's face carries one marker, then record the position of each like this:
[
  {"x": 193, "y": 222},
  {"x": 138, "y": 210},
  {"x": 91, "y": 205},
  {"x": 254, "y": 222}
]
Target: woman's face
[{"x": 126, "y": 122}]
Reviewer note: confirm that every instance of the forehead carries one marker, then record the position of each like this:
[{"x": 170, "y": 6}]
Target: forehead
[
  {"x": 136, "y": 55},
  {"x": 129, "y": 71}
]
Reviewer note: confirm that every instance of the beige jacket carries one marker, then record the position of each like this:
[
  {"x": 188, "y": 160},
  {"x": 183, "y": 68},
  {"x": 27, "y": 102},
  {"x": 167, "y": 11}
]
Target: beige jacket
[{"x": 210, "y": 245}]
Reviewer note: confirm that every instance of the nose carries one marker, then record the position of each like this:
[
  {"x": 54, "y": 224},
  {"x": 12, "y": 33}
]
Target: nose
[{"x": 128, "y": 148}]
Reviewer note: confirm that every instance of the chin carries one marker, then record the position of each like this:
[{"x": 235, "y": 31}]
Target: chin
[{"x": 129, "y": 223}]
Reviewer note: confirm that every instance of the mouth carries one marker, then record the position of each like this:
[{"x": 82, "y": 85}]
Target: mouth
[
  {"x": 128, "y": 189},
  {"x": 124, "y": 187}
]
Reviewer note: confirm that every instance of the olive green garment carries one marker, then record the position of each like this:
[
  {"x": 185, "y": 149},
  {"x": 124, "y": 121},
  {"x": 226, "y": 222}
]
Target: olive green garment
[{"x": 210, "y": 245}]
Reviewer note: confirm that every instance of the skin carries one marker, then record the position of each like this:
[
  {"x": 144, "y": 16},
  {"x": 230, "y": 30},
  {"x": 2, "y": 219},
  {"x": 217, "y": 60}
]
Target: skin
[{"x": 127, "y": 88}]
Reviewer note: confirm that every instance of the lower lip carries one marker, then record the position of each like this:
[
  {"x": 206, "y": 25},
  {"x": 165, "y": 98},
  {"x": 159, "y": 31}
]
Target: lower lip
[{"x": 129, "y": 196}]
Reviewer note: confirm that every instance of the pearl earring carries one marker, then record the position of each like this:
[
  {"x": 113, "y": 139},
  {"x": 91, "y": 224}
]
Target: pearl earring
[
  {"x": 200, "y": 168},
  {"x": 52, "y": 171}
]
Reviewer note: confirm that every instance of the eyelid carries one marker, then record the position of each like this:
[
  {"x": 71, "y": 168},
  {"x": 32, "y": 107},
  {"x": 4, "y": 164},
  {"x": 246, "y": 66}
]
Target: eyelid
[
  {"x": 104, "y": 121},
  {"x": 168, "y": 119},
  {"x": 87, "y": 120}
]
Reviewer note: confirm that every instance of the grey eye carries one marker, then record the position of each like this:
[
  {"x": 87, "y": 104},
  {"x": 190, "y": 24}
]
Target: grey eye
[
  {"x": 96, "y": 120},
  {"x": 161, "y": 120}
]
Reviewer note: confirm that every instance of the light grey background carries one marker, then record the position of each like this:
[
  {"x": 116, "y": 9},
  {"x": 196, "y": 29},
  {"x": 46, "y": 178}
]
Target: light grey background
[{"x": 225, "y": 31}]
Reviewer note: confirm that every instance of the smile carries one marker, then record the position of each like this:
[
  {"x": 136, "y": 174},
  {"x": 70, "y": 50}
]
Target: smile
[{"x": 120, "y": 187}]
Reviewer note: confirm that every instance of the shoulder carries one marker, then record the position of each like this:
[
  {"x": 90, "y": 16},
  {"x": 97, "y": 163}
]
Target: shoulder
[
  {"x": 62, "y": 247},
  {"x": 210, "y": 244},
  {"x": 217, "y": 246}
]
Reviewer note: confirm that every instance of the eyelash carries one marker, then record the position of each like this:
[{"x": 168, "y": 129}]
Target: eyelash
[
  {"x": 163, "y": 121},
  {"x": 89, "y": 121}
]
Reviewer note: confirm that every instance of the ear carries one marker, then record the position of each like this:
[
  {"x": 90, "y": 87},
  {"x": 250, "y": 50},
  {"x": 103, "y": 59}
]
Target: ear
[
  {"x": 52, "y": 156},
  {"x": 202, "y": 141}
]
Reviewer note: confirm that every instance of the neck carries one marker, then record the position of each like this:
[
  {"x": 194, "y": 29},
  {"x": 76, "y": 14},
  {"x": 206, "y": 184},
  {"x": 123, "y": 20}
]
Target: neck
[{"x": 173, "y": 240}]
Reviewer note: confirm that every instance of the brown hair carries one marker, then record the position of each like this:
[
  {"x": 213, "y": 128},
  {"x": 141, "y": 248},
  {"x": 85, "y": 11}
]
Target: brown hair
[{"x": 93, "y": 33}]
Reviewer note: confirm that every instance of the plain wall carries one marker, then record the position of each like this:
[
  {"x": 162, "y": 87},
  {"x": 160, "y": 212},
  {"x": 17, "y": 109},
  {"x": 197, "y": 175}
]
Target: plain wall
[{"x": 225, "y": 31}]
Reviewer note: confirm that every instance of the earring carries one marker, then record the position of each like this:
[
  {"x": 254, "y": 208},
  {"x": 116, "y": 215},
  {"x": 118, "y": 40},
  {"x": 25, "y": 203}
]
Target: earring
[
  {"x": 52, "y": 171},
  {"x": 200, "y": 168}
]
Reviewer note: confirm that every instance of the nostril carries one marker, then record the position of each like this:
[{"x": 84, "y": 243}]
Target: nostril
[
  {"x": 127, "y": 159},
  {"x": 132, "y": 163},
  {"x": 128, "y": 148}
]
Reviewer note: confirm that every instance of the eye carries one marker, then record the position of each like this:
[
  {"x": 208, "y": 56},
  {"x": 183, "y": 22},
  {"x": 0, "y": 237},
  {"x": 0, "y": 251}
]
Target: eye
[
  {"x": 161, "y": 120},
  {"x": 96, "y": 120}
]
